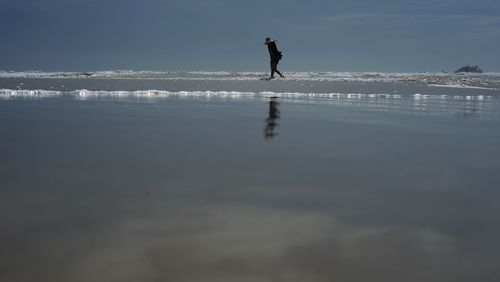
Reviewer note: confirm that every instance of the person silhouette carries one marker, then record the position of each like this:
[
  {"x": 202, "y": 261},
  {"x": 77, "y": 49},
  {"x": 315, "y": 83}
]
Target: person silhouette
[
  {"x": 273, "y": 115},
  {"x": 275, "y": 56}
]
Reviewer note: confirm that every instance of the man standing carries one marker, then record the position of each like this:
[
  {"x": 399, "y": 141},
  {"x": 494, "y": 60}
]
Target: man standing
[{"x": 275, "y": 56}]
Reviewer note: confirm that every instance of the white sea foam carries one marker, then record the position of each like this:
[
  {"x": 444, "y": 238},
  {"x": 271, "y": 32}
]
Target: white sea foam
[
  {"x": 486, "y": 105},
  {"x": 477, "y": 81},
  {"x": 33, "y": 94},
  {"x": 152, "y": 94},
  {"x": 462, "y": 86},
  {"x": 84, "y": 94}
]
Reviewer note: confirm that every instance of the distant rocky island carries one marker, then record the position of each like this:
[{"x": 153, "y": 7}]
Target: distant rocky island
[{"x": 474, "y": 69}]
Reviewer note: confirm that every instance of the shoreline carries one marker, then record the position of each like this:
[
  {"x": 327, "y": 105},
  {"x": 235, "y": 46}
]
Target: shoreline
[{"x": 255, "y": 86}]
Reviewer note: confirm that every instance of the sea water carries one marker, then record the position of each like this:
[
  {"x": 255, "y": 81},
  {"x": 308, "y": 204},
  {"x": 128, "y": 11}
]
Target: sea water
[{"x": 229, "y": 177}]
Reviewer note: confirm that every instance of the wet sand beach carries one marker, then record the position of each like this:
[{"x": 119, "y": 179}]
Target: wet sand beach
[{"x": 265, "y": 186}]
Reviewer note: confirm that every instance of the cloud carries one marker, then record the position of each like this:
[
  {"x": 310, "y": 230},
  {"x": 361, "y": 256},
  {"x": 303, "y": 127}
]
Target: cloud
[
  {"x": 465, "y": 26},
  {"x": 237, "y": 243}
]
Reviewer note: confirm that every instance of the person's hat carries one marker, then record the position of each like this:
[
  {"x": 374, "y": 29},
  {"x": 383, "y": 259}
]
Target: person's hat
[{"x": 269, "y": 40}]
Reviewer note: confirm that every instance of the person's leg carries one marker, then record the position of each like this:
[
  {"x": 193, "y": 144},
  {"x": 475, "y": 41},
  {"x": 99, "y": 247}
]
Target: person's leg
[
  {"x": 278, "y": 72},
  {"x": 276, "y": 69},
  {"x": 273, "y": 68}
]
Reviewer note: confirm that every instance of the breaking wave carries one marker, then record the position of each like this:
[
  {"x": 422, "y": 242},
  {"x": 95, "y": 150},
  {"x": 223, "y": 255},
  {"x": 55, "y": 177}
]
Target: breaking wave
[
  {"x": 476, "y": 106},
  {"x": 84, "y": 94},
  {"x": 485, "y": 80}
]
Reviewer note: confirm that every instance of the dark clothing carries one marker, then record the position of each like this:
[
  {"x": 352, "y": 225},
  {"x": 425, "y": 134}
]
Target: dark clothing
[
  {"x": 275, "y": 57},
  {"x": 273, "y": 52}
]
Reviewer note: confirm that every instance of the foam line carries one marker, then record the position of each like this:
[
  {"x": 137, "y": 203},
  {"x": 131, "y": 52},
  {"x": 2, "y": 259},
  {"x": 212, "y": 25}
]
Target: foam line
[
  {"x": 484, "y": 80},
  {"x": 462, "y": 86},
  {"x": 152, "y": 94}
]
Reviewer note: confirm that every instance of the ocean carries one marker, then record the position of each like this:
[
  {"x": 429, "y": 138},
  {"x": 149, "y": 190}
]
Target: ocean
[{"x": 225, "y": 176}]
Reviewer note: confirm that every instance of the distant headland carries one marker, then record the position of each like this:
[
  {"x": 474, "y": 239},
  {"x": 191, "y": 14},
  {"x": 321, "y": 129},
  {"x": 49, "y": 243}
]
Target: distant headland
[{"x": 474, "y": 69}]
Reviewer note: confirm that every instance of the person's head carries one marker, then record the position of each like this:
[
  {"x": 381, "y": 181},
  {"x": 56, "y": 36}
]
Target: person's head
[{"x": 269, "y": 40}]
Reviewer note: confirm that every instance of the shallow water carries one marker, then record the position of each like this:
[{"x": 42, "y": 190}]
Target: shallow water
[{"x": 249, "y": 187}]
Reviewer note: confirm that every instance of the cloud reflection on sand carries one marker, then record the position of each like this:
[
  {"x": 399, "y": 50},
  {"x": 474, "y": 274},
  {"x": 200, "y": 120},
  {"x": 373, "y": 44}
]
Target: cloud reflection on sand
[
  {"x": 247, "y": 244},
  {"x": 188, "y": 190}
]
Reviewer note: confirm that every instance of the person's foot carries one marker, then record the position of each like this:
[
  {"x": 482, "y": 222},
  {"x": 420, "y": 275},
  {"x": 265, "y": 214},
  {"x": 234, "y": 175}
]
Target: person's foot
[{"x": 271, "y": 77}]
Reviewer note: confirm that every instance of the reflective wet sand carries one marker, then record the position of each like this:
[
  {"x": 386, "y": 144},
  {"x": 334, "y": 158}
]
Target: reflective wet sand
[{"x": 190, "y": 189}]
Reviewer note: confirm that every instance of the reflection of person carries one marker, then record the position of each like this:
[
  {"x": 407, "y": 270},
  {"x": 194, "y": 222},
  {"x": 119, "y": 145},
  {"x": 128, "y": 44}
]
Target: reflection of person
[
  {"x": 274, "y": 114},
  {"x": 275, "y": 56}
]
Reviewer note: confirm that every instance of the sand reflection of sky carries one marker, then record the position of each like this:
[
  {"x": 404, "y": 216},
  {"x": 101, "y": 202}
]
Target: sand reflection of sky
[
  {"x": 213, "y": 243},
  {"x": 190, "y": 191}
]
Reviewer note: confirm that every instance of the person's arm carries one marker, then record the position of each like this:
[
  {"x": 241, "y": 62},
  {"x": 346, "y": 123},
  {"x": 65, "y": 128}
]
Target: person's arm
[{"x": 273, "y": 50}]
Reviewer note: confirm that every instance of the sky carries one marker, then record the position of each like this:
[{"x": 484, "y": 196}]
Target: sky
[{"x": 216, "y": 35}]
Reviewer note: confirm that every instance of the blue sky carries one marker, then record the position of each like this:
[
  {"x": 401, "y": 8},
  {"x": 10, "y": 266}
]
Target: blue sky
[{"x": 315, "y": 35}]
